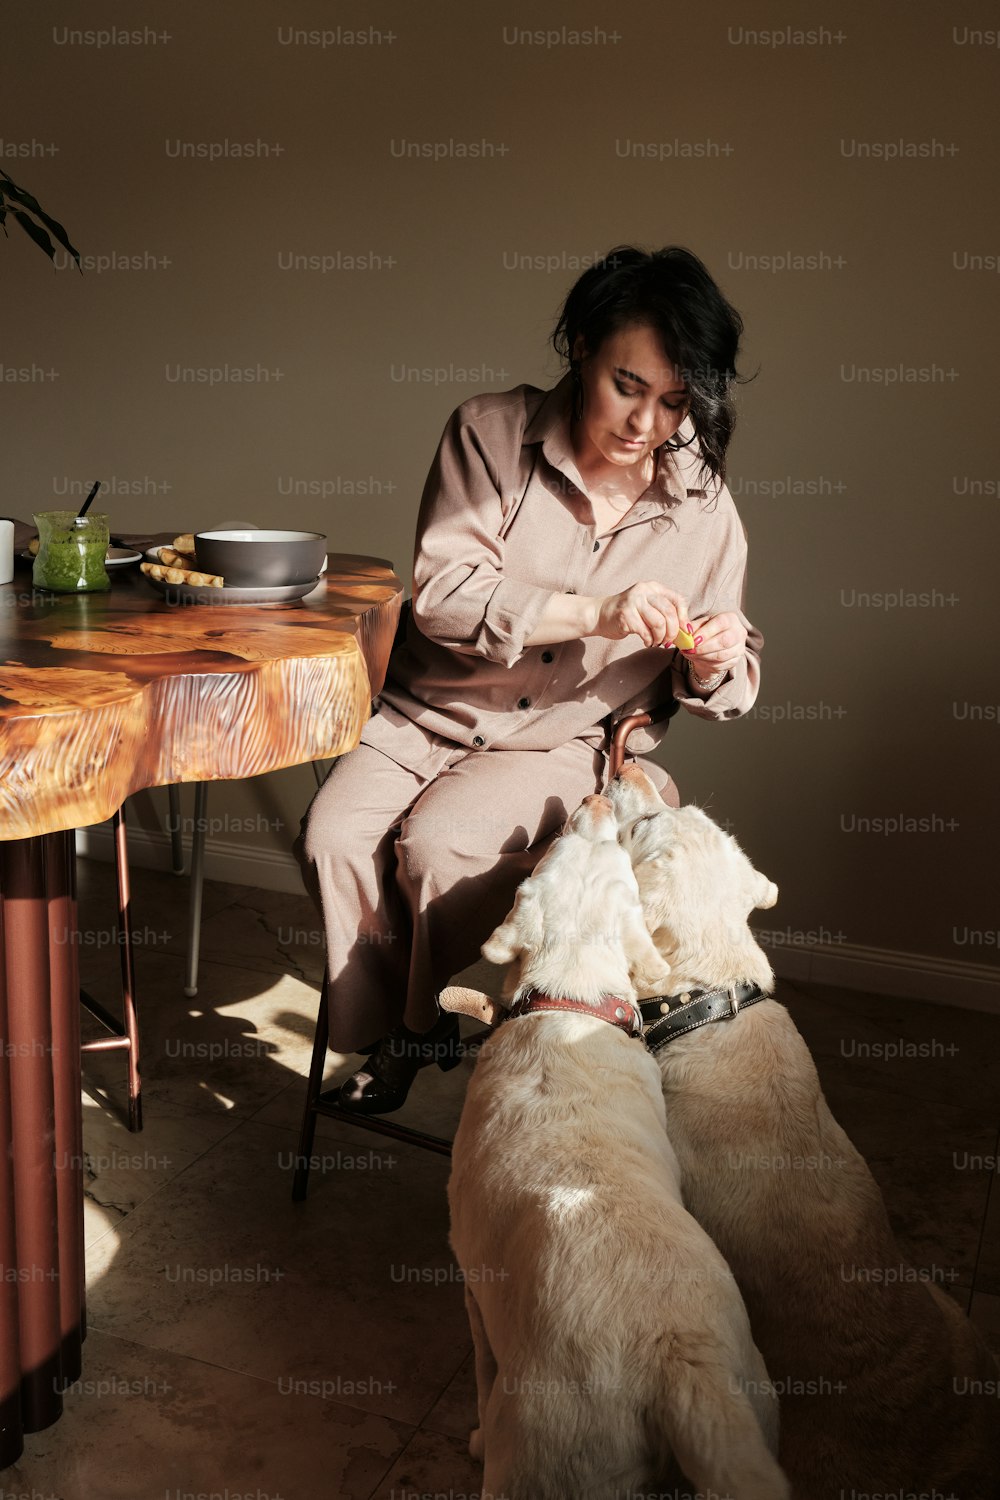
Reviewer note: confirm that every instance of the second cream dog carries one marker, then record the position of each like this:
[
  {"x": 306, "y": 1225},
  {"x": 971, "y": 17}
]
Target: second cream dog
[{"x": 886, "y": 1388}]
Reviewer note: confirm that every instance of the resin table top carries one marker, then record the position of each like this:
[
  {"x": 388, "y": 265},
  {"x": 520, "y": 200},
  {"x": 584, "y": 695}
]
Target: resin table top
[{"x": 103, "y": 694}]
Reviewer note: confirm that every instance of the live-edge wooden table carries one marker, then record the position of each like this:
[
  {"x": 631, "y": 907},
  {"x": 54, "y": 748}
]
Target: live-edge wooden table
[{"x": 101, "y": 695}]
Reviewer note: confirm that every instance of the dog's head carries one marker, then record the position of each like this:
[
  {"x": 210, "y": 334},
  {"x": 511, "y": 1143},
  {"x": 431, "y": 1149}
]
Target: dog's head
[
  {"x": 576, "y": 925},
  {"x": 697, "y": 886}
]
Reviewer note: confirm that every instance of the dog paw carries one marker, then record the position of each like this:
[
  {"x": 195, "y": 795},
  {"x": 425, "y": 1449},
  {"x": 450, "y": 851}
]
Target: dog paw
[{"x": 477, "y": 1447}]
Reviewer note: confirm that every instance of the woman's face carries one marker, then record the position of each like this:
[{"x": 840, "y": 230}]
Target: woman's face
[{"x": 633, "y": 399}]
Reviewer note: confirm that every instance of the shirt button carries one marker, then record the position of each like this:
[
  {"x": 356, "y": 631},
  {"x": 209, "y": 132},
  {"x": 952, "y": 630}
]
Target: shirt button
[
  {"x": 596, "y": 546},
  {"x": 524, "y": 702},
  {"x": 478, "y": 740},
  {"x": 547, "y": 656}
]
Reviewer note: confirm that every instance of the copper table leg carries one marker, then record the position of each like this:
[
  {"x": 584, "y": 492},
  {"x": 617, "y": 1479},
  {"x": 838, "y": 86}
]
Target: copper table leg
[
  {"x": 41, "y": 1177},
  {"x": 11, "y": 1424}
]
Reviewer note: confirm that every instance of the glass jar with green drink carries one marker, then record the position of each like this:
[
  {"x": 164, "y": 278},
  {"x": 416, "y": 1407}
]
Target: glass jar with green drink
[{"x": 71, "y": 552}]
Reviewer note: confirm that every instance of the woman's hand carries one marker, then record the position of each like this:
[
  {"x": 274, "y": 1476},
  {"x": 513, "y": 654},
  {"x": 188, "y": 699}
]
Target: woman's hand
[
  {"x": 719, "y": 644},
  {"x": 648, "y": 610}
]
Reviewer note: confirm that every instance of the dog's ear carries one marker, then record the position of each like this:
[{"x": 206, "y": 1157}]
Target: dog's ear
[
  {"x": 521, "y": 928},
  {"x": 503, "y": 945},
  {"x": 765, "y": 891}
]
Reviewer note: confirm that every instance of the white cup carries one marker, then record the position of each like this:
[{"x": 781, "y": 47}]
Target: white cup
[{"x": 6, "y": 550}]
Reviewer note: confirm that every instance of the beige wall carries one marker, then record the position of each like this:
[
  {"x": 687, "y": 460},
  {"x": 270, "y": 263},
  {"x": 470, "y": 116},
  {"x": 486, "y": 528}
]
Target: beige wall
[{"x": 895, "y": 486}]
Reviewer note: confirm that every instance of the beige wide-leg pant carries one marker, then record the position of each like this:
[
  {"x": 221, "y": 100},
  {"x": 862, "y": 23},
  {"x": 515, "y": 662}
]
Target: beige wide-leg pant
[{"x": 412, "y": 871}]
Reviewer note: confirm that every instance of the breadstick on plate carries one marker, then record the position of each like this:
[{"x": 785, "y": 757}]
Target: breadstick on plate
[
  {"x": 182, "y": 575},
  {"x": 174, "y": 559}
]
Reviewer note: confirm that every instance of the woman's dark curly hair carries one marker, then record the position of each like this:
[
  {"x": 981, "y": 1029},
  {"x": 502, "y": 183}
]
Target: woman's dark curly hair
[{"x": 700, "y": 331}]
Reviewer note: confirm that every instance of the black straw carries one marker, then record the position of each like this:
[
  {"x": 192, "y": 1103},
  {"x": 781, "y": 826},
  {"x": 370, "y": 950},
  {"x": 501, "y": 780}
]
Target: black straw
[{"x": 86, "y": 504}]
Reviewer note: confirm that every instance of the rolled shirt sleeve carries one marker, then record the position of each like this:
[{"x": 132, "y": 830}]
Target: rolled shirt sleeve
[
  {"x": 737, "y": 692},
  {"x": 462, "y": 597},
  {"x": 724, "y": 590}
]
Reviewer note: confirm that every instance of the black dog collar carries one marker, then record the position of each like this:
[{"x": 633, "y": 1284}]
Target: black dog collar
[{"x": 666, "y": 1017}]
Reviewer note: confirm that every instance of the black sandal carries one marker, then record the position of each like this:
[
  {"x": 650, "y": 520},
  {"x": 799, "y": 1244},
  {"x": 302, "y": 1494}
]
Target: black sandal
[{"x": 384, "y": 1082}]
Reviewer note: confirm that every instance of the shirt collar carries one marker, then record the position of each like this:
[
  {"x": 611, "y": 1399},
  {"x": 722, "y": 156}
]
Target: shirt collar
[{"x": 550, "y": 426}]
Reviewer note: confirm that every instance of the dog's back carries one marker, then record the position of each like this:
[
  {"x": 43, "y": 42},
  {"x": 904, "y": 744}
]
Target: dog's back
[
  {"x": 617, "y": 1330},
  {"x": 885, "y": 1384},
  {"x": 872, "y": 1363}
]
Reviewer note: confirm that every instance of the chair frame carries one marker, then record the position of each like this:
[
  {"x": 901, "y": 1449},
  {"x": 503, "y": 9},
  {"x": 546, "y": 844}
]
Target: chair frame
[{"x": 318, "y": 1102}]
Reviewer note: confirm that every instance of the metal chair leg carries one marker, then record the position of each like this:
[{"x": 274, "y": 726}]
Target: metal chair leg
[
  {"x": 320, "y": 1103},
  {"x": 174, "y": 825},
  {"x": 124, "y": 1035},
  {"x": 130, "y": 1016},
  {"x": 307, "y": 1135},
  {"x": 197, "y": 887}
]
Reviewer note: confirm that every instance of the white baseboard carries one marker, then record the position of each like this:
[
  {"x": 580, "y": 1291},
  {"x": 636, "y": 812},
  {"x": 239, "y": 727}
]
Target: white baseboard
[
  {"x": 239, "y": 864},
  {"x": 852, "y": 966},
  {"x": 885, "y": 971}
]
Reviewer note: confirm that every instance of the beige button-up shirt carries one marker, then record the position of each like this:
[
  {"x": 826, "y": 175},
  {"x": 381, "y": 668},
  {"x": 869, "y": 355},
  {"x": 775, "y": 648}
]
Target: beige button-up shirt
[{"x": 504, "y": 523}]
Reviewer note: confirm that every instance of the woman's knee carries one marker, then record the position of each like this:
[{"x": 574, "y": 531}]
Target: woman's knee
[
  {"x": 427, "y": 840},
  {"x": 358, "y": 805},
  {"x": 438, "y": 848}
]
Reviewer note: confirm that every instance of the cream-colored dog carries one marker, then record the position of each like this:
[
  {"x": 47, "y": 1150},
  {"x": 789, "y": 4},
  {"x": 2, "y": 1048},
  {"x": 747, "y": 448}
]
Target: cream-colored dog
[
  {"x": 608, "y": 1330},
  {"x": 886, "y": 1387}
]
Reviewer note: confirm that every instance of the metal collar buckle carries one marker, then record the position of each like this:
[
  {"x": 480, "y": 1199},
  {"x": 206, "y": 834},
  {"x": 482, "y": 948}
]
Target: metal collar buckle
[{"x": 667, "y": 1017}]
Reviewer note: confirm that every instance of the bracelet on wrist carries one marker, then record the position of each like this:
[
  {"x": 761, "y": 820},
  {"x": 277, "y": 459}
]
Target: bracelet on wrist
[{"x": 707, "y": 684}]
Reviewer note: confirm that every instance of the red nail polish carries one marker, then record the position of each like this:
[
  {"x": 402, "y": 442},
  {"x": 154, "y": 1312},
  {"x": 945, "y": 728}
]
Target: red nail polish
[{"x": 698, "y": 639}]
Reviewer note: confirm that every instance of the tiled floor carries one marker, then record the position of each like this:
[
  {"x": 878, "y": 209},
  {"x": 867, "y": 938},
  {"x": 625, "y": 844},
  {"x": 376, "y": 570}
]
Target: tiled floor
[{"x": 241, "y": 1345}]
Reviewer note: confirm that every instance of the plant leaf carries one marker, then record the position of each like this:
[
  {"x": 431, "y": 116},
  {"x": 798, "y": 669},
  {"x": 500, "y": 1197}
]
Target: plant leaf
[
  {"x": 13, "y": 191},
  {"x": 56, "y": 228},
  {"x": 17, "y": 194},
  {"x": 21, "y": 194},
  {"x": 34, "y": 232}
]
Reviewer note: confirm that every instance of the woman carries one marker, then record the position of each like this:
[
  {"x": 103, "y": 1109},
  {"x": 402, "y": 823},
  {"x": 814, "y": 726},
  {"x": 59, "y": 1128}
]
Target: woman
[{"x": 563, "y": 540}]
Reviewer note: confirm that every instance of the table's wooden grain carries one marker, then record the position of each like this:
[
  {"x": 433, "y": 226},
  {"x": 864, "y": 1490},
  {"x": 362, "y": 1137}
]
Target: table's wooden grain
[{"x": 102, "y": 694}]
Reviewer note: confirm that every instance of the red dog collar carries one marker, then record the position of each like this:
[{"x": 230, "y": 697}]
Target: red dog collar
[{"x": 621, "y": 1013}]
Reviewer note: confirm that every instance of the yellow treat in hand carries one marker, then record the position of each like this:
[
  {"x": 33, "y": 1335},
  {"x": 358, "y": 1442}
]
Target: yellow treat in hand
[{"x": 683, "y": 641}]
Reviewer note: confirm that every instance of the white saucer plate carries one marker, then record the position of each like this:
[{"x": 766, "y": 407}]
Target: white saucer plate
[{"x": 185, "y": 593}]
